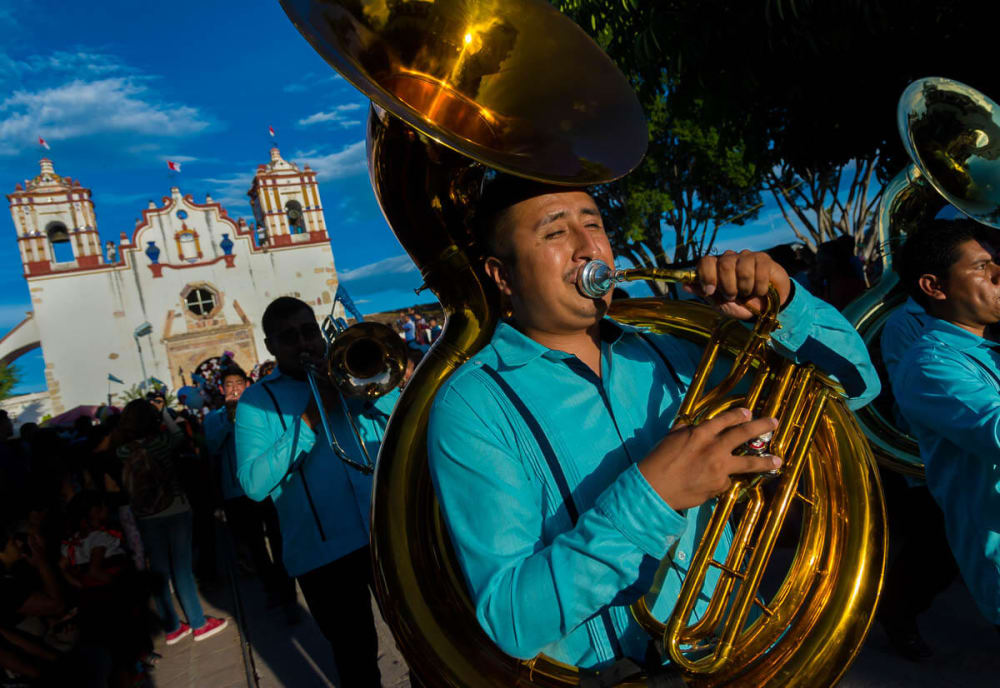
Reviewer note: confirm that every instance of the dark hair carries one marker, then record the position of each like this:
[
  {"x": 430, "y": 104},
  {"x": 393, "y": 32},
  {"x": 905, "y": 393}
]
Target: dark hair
[
  {"x": 933, "y": 249},
  {"x": 279, "y": 309},
  {"x": 140, "y": 419},
  {"x": 414, "y": 355},
  {"x": 79, "y": 507},
  {"x": 232, "y": 370}
]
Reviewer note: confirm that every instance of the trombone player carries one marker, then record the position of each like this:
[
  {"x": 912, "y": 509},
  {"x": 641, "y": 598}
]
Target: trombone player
[
  {"x": 557, "y": 472},
  {"x": 323, "y": 505}
]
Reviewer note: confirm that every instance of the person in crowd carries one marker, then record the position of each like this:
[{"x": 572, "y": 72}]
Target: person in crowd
[
  {"x": 838, "y": 274},
  {"x": 149, "y": 439},
  {"x": 946, "y": 386},
  {"x": 323, "y": 504},
  {"x": 409, "y": 329},
  {"x": 559, "y": 478},
  {"x": 246, "y": 518},
  {"x": 94, "y": 554},
  {"x": 435, "y": 330},
  {"x": 413, "y": 358},
  {"x": 30, "y": 587},
  {"x": 112, "y": 599},
  {"x": 422, "y": 334}
]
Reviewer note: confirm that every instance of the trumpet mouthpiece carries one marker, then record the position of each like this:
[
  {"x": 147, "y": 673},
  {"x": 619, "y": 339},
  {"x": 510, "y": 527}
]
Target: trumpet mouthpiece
[{"x": 596, "y": 279}]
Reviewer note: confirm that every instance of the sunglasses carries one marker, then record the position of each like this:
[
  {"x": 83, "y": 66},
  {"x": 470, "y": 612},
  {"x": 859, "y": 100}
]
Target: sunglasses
[{"x": 290, "y": 336}]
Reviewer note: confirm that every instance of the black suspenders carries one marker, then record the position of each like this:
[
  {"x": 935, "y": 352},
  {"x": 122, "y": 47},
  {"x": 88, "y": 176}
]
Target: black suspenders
[
  {"x": 560, "y": 478},
  {"x": 277, "y": 408},
  {"x": 305, "y": 484}
]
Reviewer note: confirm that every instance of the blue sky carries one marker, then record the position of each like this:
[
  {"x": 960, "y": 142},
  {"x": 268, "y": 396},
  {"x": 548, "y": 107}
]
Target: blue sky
[{"x": 118, "y": 88}]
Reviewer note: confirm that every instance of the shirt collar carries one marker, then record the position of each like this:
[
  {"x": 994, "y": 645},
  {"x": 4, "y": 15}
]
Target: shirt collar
[
  {"x": 954, "y": 336},
  {"x": 912, "y": 307},
  {"x": 514, "y": 348}
]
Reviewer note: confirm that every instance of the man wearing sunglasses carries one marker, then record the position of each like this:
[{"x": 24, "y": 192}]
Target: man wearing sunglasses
[{"x": 323, "y": 504}]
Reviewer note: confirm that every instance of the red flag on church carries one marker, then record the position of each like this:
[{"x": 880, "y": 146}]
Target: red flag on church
[
  {"x": 43, "y": 143},
  {"x": 270, "y": 130},
  {"x": 174, "y": 166}
]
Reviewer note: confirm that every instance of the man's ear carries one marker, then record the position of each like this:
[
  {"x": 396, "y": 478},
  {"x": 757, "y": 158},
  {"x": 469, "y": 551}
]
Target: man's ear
[
  {"x": 932, "y": 286},
  {"x": 270, "y": 349},
  {"x": 499, "y": 273}
]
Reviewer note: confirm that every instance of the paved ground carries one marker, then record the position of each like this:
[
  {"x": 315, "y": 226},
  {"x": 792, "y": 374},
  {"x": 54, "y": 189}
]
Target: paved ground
[
  {"x": 297, "y": 656},
  {"x": 283, "y": 655}
]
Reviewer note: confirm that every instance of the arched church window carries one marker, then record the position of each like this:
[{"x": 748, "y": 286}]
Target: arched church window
[
  {"x": 188, "y": 245},
  {"x": 296, "y": 220},
  {"x": 62, "y": 249},
  {"x": 201, "y": 301}
]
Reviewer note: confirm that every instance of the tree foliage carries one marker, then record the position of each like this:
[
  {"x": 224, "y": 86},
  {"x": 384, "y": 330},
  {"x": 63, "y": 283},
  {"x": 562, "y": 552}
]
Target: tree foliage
[
  {"x": 693, "y": 177},
  {"x": 137, "y": 391},
  {"x": 805, "y": 91},
  {"x": 10, "y": 375}
]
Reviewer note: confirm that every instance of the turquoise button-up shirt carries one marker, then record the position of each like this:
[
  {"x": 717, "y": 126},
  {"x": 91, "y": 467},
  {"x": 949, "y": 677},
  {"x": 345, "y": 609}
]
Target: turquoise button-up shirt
[
  {"x": 323, "y": 505},
  {"x": 948, "y": 389},
  {"x": 901, "y": 331},
  {"x": 539, "y": 583}
]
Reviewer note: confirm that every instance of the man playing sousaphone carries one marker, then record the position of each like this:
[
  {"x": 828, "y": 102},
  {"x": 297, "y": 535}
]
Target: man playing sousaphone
[
  {"x": 948, "y": 387},
  {"x": 551, "y": 451}
]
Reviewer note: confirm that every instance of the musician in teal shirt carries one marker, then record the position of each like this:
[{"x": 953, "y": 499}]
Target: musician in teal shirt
[
  {"x": 558, "y": 476},
  {"x": 948, "y": 389},
  {"x": 323, "y": 504}
]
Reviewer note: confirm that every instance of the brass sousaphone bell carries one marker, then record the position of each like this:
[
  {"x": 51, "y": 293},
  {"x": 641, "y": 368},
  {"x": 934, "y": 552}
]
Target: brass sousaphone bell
[
  {"x": 462, "y": 87},
  {"x": 952, "y": 134}
]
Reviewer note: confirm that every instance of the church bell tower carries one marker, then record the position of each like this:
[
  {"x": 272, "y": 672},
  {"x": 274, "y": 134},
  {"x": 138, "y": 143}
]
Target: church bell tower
[
  {"x": 55, "y": 223},
  {"x": 286, "y": 204}
]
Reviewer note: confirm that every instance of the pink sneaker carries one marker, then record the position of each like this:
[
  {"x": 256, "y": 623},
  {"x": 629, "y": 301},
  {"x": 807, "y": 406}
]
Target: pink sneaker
[
  {"x": 212, "y": 626},
  {"x": 182, "y": 631}
]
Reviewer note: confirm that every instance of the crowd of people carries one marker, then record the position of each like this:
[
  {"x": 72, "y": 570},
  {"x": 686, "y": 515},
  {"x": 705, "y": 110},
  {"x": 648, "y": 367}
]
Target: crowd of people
[
  {"x": 109, "y": 527},
  {"x": 560, "y": 492},
  {"x": 418, "y": 333},
  {"x": 108, "y": 533}
]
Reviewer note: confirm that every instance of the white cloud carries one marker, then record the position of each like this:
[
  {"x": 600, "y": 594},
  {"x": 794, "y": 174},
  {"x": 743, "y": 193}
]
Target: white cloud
[
  {"x": 397, "y": 273},
  {"x": 386, "y": 266},
  {"x": 335, "y": 116},
  {"x": 84, "y": 108},
  {"x": 311, "y": 81},
  {"x": 179, "y": 158},
  {"x": 230, "y": 191},
  {"x": 77, "y": 62},
  {"x": 348, "y": 161}
]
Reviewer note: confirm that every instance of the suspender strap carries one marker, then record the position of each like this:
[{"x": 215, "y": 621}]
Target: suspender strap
[
  {"x": 666, "y": 362},
  {"x": 276, "y": 406},
  {"x": 560, "y": 478},
  {"x": 543, "y": 443},
  {"x": 291, "y": 465},
  {"x": 983, "y": 366}
]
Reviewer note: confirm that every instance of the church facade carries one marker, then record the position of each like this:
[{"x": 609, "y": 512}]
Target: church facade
[{"x": 186, "y": 284}]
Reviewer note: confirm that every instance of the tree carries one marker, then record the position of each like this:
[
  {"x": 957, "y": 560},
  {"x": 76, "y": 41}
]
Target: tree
[
  {"x": 136, "y": 391},
  {"x": 670, "y": 208},
  {"x": 806, "y": 90},
  {"x": 10, "y": 375}
]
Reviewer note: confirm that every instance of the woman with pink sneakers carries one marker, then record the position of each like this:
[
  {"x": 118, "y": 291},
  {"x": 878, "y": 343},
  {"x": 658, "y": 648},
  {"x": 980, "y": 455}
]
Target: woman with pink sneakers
[{"x": 147, "y": 445}]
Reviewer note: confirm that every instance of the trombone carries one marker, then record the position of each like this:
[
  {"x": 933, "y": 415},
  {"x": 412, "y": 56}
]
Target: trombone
[{"x": 366, "y": 360}]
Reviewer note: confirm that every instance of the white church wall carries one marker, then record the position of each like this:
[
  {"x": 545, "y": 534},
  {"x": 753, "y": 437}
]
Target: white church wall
[{"x": 86, "y": 317}]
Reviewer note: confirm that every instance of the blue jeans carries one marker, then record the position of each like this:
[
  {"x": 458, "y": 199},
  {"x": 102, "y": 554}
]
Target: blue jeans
[{"x": 168, "y": 541}]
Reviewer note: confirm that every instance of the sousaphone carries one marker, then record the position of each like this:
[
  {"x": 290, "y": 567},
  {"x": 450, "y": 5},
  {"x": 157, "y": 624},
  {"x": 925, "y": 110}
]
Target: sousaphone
[
  {"x": 951, "y": 132},
  {"x": 463, "y": 87}
]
